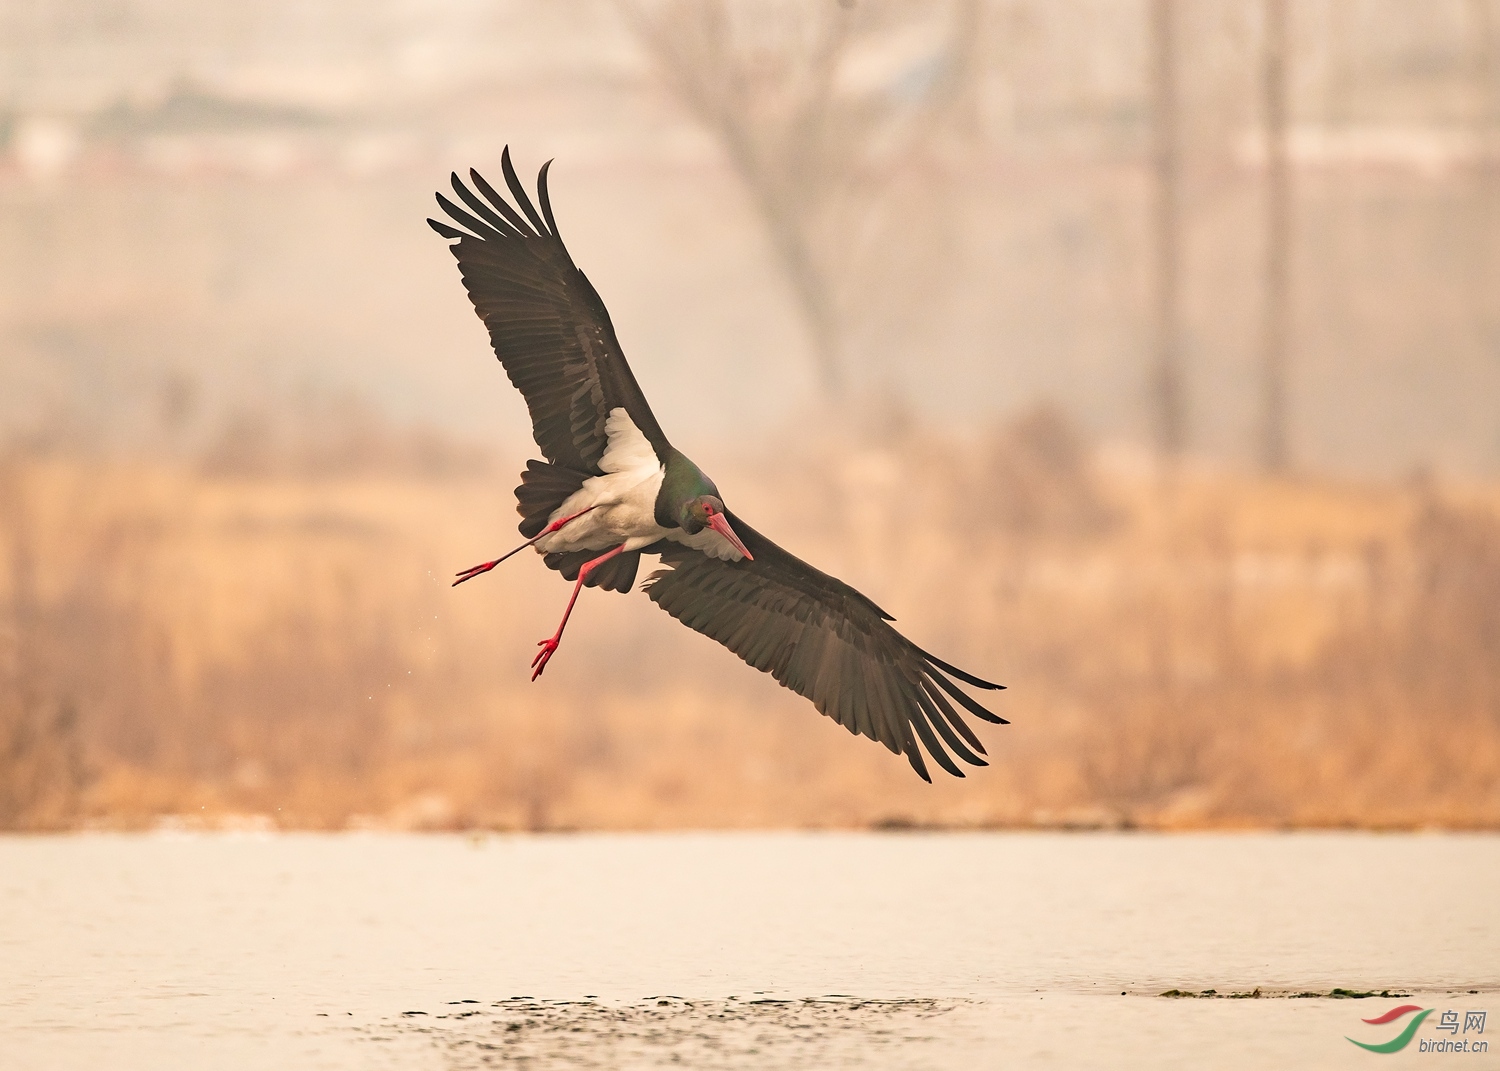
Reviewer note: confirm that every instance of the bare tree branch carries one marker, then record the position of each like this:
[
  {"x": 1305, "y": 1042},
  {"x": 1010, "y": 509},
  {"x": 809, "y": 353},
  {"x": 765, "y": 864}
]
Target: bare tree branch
[{"x": 817, "y": 139}]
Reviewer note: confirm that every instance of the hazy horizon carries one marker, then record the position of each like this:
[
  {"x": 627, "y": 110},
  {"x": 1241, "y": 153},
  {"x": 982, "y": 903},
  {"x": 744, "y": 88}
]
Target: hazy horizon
[{"x": 207, "y": 212}]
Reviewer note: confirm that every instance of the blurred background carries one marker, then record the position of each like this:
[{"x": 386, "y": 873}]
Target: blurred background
[{"x": 1141, "y": 354}]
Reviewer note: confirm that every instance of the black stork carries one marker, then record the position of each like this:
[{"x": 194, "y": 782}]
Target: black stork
[{"x": 613, "y": 488}]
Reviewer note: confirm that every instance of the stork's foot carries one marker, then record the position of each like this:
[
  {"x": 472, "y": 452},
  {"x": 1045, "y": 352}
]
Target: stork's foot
[
  {"x": 471, "y": 573},
  {"x": 549, "y": 645},
  {"x": 539, "y": 663}
]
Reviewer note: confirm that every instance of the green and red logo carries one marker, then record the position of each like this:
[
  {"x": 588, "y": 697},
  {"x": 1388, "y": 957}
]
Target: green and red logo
[{"x": 1401, "y": 1040}]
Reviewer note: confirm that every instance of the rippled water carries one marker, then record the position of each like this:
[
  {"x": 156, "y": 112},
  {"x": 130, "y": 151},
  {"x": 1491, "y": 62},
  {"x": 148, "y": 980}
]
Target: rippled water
[{"x": 733, "y": 950}]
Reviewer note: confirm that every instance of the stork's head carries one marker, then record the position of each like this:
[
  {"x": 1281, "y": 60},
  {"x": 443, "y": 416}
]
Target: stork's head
[{"x": 706, "y": 511}]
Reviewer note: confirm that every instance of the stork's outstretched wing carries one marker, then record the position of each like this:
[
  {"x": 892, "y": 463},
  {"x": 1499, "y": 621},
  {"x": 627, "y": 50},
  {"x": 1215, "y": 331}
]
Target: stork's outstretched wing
[
  {"x": 824, "y": 640},
  {"x": 547, "y": 324}
]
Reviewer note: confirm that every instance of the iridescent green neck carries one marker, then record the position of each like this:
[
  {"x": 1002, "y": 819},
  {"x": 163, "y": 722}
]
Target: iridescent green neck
[{"x": 682, "y": 482}]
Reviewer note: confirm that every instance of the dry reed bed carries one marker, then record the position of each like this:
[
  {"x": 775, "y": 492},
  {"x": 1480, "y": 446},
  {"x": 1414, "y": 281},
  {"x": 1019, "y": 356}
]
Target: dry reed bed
[{"x": 1205, "y": 650}]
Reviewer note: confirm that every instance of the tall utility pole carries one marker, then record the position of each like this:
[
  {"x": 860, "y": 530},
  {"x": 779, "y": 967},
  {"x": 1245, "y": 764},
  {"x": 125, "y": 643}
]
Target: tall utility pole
[
  {"x": 1274, "y": 455},
  {"x": 1167, "y": 401}
]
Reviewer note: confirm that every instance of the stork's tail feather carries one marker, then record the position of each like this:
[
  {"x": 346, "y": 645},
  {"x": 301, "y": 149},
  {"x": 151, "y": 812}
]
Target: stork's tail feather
[{"x": 543, "y": 488}]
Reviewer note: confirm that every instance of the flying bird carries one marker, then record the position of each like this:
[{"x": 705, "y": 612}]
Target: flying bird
[{"x": 613, "y": 487}]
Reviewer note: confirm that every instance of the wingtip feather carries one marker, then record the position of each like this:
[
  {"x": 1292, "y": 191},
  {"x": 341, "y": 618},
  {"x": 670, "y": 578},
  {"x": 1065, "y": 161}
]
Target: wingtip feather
[
  {"x": 940, "y": 702},
  {"x": 477, "y": 226},
  {"x": 523, "y": 200},
  {"x": 967, "y": 678},
  {"x": 913, "y": 753},
  {"x": 501, "y": 205},
  {"x": 541, "y": 192},
  {"x": 485, "y": 210},
  {"x": 972, "y": 705},
  {"x": 918, "y": 721}
]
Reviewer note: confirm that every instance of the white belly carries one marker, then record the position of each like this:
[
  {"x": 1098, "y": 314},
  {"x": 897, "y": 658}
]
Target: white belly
[
  {"x": 623, "y": 499},
  {"x": 623, "y": 512}
]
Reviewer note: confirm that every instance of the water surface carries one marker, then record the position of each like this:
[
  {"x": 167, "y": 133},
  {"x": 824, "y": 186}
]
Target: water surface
[{"x": 732, "y": 950}]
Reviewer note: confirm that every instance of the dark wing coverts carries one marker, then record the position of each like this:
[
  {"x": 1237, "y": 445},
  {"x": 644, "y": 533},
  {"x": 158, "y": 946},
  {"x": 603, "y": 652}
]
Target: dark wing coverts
[
  {"x": 822, "y": 639},
  {"x": 546, "y": 322}
]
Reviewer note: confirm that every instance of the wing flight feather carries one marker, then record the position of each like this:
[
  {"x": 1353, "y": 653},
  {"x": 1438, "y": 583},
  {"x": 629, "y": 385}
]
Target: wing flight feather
[
  {"x": 824, "y": 640},
  {"x": 546, "y": 321}
]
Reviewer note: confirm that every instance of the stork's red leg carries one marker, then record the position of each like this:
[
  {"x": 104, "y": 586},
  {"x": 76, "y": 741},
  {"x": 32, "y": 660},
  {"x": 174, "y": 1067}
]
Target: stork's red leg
[
  {"x": 470, "y": 574},
  {"x": 547, "y": 646}
]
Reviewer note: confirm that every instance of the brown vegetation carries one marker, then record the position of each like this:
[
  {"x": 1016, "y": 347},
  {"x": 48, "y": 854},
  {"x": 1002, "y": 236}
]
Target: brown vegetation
[{"x": 278, "y": 645}]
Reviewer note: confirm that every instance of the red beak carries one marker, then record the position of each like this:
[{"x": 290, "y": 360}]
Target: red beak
[{"x": 720, "y": 525}]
